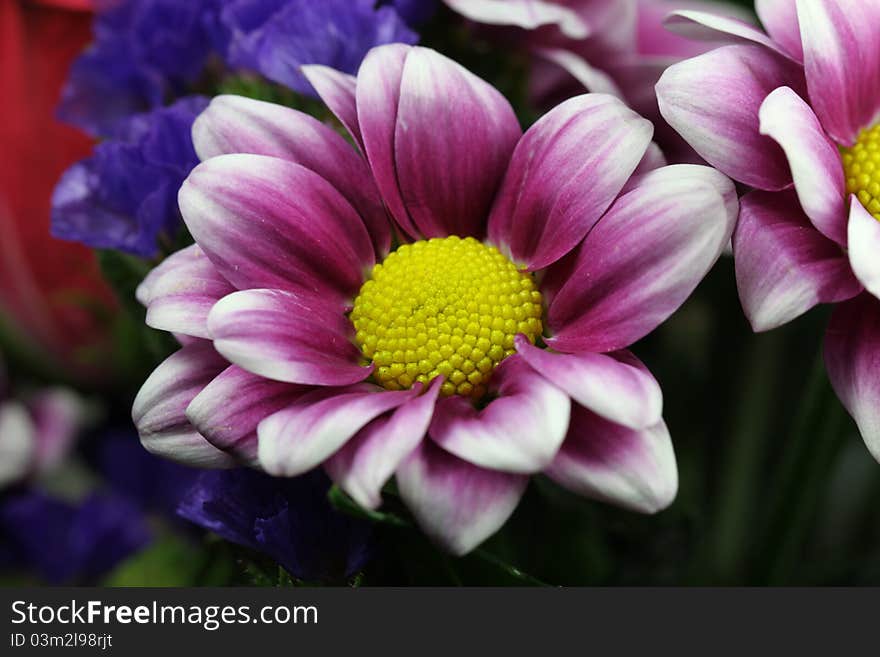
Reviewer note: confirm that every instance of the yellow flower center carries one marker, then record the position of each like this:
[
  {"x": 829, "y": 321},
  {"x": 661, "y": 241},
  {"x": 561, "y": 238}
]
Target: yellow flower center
[
  {"x": 861, "y": 166},
  {"x": 446, "y": 306}
]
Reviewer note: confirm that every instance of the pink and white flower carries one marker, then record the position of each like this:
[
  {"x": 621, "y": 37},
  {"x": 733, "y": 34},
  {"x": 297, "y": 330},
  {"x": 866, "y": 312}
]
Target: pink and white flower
[
  {"x": 617, "y": 47},
  {"x": 488, "y": 347},
  {"x": 794, "y": 114}
]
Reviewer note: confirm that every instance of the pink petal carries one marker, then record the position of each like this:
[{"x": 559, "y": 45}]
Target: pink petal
[
  {"x": 779, "y": 18},
  {"x": 565, "y": 172},
  {"x": 457, "y": 504},
  {"x": 706, "y": 26},
  {"x": 591, "y": 78},
  {"x": 842, "y": 61},
  {"x": 233, "y": 124},
  {"x": 227, "y": 410},
  {"x": 643, "y": 259},
  {"x": 519, "y": 431},
  {"x": 58, "y": 415},
  {"x": 453, "y": 137},
  {"x": 815, "y": 162},
  {"x": 784, "y": 266},
  {"x": 631, "y": 468},
  {"x": 366, "y": 462},
  {"x": 289, "y": 337},
  {"x": 181, "y": 291},
  {"x": 298, "y": 438},
  {"x": 852, "y": 357},
  {"x": 266, "y": 222},
  {"x": 378, "y": 98},
  {"x": 160, "y": 406},
  {"x": 615, "y": 386},
  {"x": 525, "y": 14},
  {"x": 864, "y": 246},
  {"x": 713, "y": 100},
  {"x": 17, "y": 442},
  {"x": 337, "y": 90}
]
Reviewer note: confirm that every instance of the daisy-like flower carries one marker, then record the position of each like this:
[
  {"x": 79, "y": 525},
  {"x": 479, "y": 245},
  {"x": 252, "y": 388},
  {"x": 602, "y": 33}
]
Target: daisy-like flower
[
  {"x": 476, "y": 342},
  {"x": 794, "y": 114}
]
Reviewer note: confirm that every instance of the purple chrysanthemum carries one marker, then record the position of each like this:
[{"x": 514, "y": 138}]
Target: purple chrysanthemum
[
  {"x": 794, "y": 114},
  {"x": 488, "y": 347}
]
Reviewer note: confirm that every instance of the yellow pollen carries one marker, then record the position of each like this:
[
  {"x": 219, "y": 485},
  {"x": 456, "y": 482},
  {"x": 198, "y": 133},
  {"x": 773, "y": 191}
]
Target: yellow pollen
[
  {"x": 861, "y": 166},
  {"x": 446, "y": 306}
]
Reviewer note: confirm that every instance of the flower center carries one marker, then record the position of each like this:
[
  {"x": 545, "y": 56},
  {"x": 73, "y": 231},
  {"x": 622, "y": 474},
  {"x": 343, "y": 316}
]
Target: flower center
[
  {"x": 446, "y": 306},
  {"x": 861, "y": 166}
]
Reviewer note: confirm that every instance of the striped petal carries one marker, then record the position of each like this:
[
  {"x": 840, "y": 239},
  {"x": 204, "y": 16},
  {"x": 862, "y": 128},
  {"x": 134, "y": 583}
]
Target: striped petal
[
  {"x": 864, "y": 246},
  {"x": 337, "y": 90},
  {"x": 780, "y": 19}
]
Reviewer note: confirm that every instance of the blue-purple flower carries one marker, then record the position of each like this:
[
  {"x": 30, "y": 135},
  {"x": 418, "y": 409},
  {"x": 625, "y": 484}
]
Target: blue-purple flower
[
  {"x": 290, "y": 520},
  {"x": 125, "y": 195}
]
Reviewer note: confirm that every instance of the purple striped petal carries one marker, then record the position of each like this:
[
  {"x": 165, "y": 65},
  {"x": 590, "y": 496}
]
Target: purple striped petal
[
  {"x": 378, "y": 97},
  {"x": 713, "y": 100},
  {"x": 17, "y": 442},
  {"x": 289, "y": 337},
  {"x": 864, "y": 246},
  {"x": 779, "y": 18},
  {"x": 814, "y": 160},
  {"x": 842, "y": 61},
  {"x": 852, "y": 358},
  {"x": 565, "y": 172},
  {"x": 591, "y": 78},
  {"x": 367, "y": 461},
  {"x": 159, "y": 410},
  {"x": 631, "y": 468},
  {"x": 453, "y": 138},
  {"x": 615, "y": 386},
  {"x": 520, "y": 429},
  {"x": 643, "y": 259},
  {"x": 784, "y": 266},
  {"x": 266, "y": 222},
  {"x": 337, "y": 90},
  {"x": 181, "y": 291},
  {"x": 227, "y": 410},
  {"x": 457, "y": 504},
  {"x": 706, "y": 26},
  {"x": 525, "y": 14},
  {"x": 233, "y": 124},
  {"x": 298, "y": 438}
]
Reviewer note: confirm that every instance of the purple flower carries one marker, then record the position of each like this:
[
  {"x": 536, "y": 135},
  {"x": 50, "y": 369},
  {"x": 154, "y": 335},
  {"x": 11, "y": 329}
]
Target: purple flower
[
  {"x": 276, "y": 37},
  {"x": 289, "y": 520},
  {"x": 125, "y": 195},
  {"x": 794, "y": 114},
  {"x": 489, "y": 347},
  {"x": 65, "y": 542}
]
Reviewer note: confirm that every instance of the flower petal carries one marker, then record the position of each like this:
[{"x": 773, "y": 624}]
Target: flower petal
[
  {"x": 289, "y": 337},
  {"x": 520, "y": 429},
  {"x": 457, "y": 504},
  {"x": 842, "y": 62},
  {"x": 227, "y": 410},
  {"x": 784, "y": 266},
  {"x": 159, "y": 408},
  {"x": 525, "y": 14},
  {"x": 337, "y": 90},
  {"x": 266, "y": 222},
  {"x": 631, "y": 468},
  {"x": 615, "y": 386},
  {"x": 234, "y": 124},
  {"x": 367, "y": 461},
  {"x": 17, "y": 442},
  {"x": 591, "y": 78},
  {"x": 565, "y": 172},
  {"x": 181, "y": 291},
  {"x": 706, "y": 26},
  {"x": 643, "y": 259},
  {"x": 779, "y": 18},
  {"x": 452, "y": 143},
  {"x": 864, "y": 246},
  {"x": 713, "y": 100},
  {"x": 852, "y": 358},
  {"x": 298, "y": 438},
  {"x": 814, "y": 160}
]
